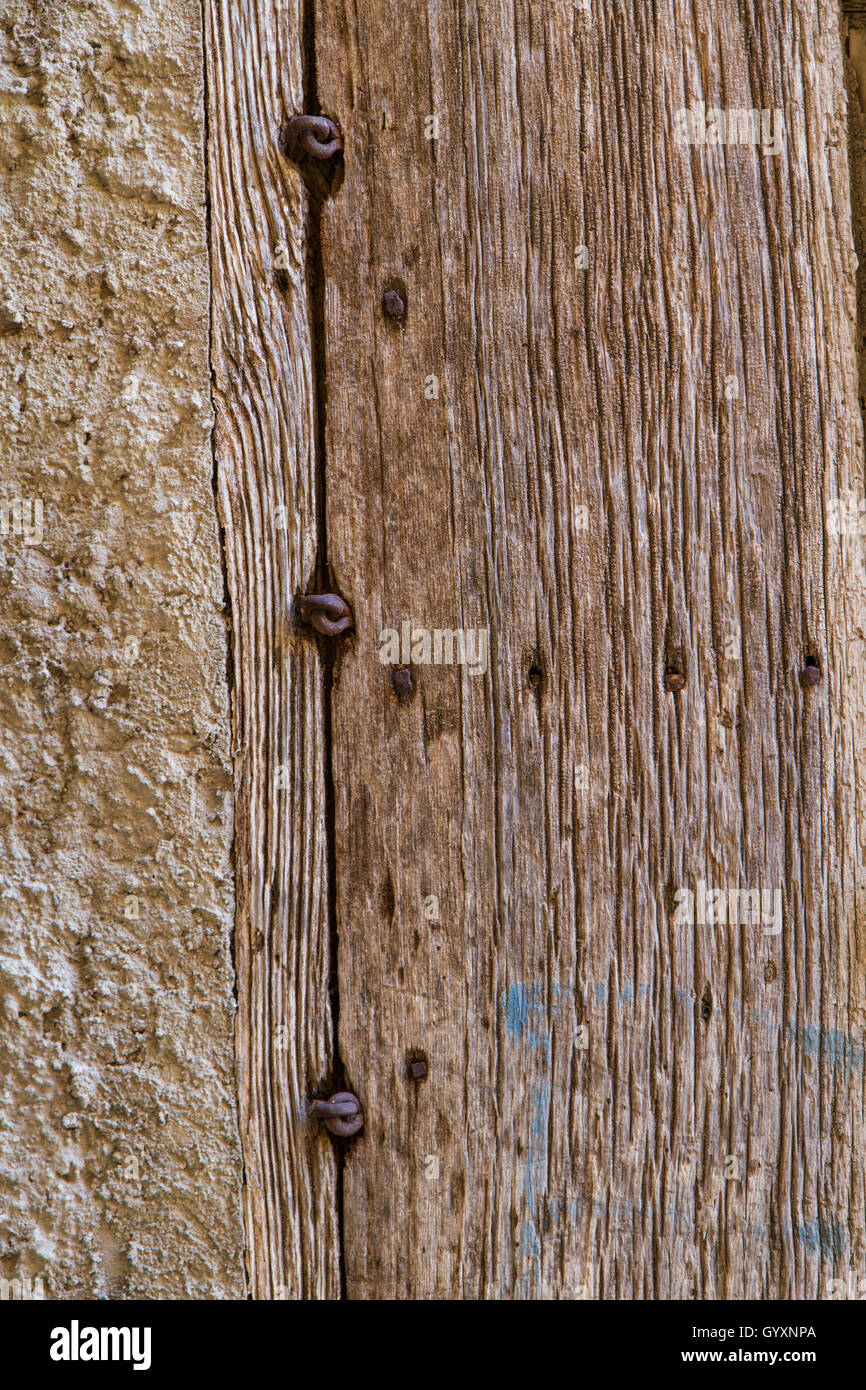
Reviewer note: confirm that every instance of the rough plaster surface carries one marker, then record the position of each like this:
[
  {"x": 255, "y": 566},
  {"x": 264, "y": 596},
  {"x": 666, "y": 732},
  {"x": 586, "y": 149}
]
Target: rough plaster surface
[{"x": 120, "y": 1168}]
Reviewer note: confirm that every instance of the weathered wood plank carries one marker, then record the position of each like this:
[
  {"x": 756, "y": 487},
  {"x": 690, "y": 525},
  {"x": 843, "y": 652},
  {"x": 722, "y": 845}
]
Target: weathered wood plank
[
  {"x": 693, "y": 388},
  {"x": 264, "y": 396}
]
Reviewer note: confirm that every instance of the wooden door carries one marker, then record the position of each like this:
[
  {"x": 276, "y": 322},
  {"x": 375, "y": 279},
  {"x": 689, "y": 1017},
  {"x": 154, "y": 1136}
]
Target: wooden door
[{"x": 606, "y": 447}]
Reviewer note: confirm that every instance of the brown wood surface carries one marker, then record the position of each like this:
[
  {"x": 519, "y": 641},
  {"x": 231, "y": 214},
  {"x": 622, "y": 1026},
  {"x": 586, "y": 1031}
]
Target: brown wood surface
[{"x": 616, "y": 1105}]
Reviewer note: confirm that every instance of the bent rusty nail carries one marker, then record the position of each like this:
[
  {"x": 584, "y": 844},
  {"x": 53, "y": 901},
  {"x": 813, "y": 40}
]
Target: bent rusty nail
[
  {"x": 330, "y": 1109},
  {"x": 327, "y": 613},
  {"x": 342, "y": 1114},
  {"x": 317, "y": 136}
]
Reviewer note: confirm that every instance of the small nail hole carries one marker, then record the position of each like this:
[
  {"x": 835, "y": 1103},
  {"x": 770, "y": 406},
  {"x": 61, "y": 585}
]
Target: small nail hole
[
  {"x": 389, "y": 902},
  {"x": 811, "y": 672},
  {"x": 674, "y": 681}
]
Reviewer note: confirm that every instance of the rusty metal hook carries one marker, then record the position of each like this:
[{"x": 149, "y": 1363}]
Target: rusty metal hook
[
  {"x": 327, "y": 613},
  {"x": 317, "y": 136},
  {"x": 342, "y": 1114}
]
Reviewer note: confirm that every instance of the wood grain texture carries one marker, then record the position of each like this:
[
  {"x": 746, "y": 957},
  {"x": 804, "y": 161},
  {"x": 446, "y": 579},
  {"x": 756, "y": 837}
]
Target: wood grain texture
[
  {"x": 265, "y": 455},
  {"x": 707, "y": 1140}
]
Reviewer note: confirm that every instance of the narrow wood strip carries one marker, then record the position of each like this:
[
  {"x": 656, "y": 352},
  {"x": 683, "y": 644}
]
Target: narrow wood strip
[{"x": 263, "y": 391}]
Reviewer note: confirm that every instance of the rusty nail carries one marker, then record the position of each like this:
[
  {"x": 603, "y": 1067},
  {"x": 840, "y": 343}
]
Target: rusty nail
[
  {"x": 811, "y": 672},
  {"x": 342, "y": 1114},
  {"x": 316, "y": 136},
  {"x": 674, "y": 680},
  {"x": 402, "y": 683},
  {"x": 327, "y": 613},
  {"x": 393, "y": 305},
  {"x": 418, "y": 1070}
]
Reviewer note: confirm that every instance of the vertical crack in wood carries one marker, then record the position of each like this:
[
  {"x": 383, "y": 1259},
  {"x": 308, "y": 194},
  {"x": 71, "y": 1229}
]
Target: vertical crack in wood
[
  {"x": 323, "y": 582},
  {"x": 223, "y": 561}
]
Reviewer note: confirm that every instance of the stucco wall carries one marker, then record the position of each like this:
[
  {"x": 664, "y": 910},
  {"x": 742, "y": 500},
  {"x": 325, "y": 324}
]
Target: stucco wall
[{"x": 120, "y": 1166}]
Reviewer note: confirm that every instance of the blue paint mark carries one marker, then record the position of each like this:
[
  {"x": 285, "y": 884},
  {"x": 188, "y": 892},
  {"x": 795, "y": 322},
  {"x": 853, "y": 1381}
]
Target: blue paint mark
[
  {"x": 520, "y": 1003},
  {"x": 826, "y": 1236},
  {"x": 831, "y": 1043},
  {"x": 525, "y": 1013},
  {"x": 534, "y": 1168},
  {"x": 529, "y": 1255},
  {"x": 815, "y": 1041},
  {"x": 530, "y": 1245},
  {"x": 538, "y": 1124},
  {"x": 828, "y": 1042},
  {"x": 527, "y": 1019}
]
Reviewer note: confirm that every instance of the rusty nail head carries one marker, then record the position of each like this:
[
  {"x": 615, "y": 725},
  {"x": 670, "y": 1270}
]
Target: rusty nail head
[
  {"x": 418, "y": 1070},
  {"x": 674, "y": 680},
  {"x": 342, "y": 1114},
  {"x": 393, "y": 305},
  {"x": 316, "y": 136},
  {"x": 402, "y": 683},
  {"x": 327, "y": 613}
]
